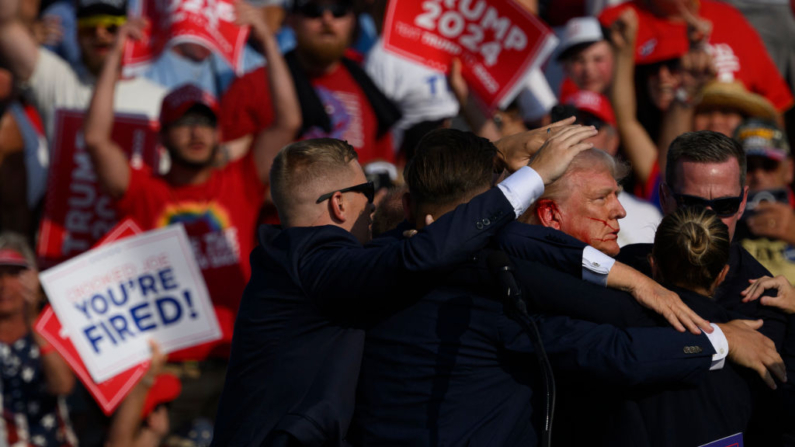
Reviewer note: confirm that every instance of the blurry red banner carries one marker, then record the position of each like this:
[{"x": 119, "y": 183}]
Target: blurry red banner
[
  {"x": 210, "y": 23},
  {"x": 77, "y": 213},
  {"x": 498, "y": 41},
  {"x": 110, "y": 393}
]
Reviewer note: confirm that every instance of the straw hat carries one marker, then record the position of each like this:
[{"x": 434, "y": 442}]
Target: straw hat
[{"x": 733, "y": 95}]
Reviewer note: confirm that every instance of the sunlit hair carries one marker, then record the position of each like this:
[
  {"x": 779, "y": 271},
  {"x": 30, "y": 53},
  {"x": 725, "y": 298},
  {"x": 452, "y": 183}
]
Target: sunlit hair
[
  {"x": 704, "y": 146},
  {"x": 691, "y": 247},
  {"x": 587, "y": 160},
  {"x": 302, "y": 164}
]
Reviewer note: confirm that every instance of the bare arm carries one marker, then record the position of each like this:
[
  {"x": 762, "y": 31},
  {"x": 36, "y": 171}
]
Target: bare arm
[
  {"x": 286, "y": 110},
  {"x": 127, "y": 418},
  {"x": 18, "y": 48},
  {"x": 110, "y": 163},
  {"x": 657, "y": 298},
  {"x": 639, "y": 147},
  {"x": 473, "y": 113},
  {"x": 697, "y": 70},
  {"x": 57, "y": 373}
]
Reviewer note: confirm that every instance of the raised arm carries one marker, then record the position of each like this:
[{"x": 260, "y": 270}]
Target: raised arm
[
  {"x": 110, "y": 163},
  {"x": 473, "y": 113},
  {"x": 638, "y": 146},
  {"x": 18, "y": 48},
  {"x": 286, "y": 110},
  {"x": 697, "y": 70},
  {"x": 339, "y": 274},
  {"x": 124, "y": 429}
]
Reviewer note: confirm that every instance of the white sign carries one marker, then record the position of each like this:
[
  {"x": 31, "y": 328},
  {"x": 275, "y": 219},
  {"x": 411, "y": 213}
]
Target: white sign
[{"x": 114, "y": 298}]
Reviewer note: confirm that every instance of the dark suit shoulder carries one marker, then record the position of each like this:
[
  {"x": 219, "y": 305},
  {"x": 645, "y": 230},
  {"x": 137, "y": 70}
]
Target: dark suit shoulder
[{"x": 636, "y": 256}]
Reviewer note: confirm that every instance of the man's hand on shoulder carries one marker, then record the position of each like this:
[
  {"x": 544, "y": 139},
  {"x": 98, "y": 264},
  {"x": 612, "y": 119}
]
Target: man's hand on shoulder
[{"x": 749, "y": 348}]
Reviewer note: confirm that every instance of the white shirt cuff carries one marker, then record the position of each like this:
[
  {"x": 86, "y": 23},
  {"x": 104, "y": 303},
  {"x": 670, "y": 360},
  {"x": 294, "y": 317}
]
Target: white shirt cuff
[
  {"x": 596, "y": 266},
  {"x": 721, "y": 346},
  {"x": 522, "y": 189}
]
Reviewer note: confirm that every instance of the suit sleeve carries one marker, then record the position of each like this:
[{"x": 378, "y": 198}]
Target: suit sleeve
[
  {"x": 553, "y": 292},
  {"x": 626, "y": 357},
  {"x": 543, "y": 245},
  {"x": 345, "y": 275}
]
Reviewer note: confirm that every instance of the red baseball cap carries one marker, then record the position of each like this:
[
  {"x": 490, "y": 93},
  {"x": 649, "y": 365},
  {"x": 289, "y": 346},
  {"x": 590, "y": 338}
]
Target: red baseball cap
[
  {"x": 594, "y": 103},
  {"x": 12, "y": 257},
  {"x": 180, "y": 100},
  {"x": 165, "y": 389},
  {"x": 658, "y": 40}
]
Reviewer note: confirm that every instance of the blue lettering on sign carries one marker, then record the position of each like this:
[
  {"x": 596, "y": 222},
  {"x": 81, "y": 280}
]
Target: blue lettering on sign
[{"x": 112, "y": 322}]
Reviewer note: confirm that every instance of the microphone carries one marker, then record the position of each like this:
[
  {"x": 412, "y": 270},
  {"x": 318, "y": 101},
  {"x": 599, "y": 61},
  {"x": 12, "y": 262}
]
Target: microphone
[{"x": 500, "y": 266}]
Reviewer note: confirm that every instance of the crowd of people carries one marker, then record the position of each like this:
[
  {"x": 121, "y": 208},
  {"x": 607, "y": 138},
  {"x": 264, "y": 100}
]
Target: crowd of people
[{"x": 607, "y": 260}]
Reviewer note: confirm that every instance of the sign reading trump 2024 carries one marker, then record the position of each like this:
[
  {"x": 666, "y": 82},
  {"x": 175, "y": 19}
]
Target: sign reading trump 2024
[
  {"x": 112, "y": 299},
  {"x": 498, "y": 41}
]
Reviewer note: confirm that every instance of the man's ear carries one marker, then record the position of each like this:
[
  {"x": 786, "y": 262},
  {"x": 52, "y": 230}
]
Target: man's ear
[
  {"x": 338, "y": 207},
  {"x": 667, "y": 201},
  {"x": 788, "y": 176},
  {"x": 548, "y": 213}
]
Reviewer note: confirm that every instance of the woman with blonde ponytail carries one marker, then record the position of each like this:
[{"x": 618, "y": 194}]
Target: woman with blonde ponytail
[{"x": 690, "y": 256}]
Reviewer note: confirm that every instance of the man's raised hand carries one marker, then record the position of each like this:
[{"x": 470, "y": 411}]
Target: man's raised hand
[{"x": 555, "y": 155}]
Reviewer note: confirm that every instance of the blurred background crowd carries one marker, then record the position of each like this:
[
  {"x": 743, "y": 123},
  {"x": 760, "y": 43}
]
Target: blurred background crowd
[{"x": 642, "y": 72}]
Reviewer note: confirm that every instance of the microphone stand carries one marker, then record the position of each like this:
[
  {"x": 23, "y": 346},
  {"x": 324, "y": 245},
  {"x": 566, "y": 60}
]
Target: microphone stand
[{"x": 517, "y": 308}]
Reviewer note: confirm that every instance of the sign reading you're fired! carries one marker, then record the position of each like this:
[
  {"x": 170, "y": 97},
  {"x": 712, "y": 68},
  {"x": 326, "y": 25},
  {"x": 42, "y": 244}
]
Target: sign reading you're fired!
[{"x": 112, "y": 299}]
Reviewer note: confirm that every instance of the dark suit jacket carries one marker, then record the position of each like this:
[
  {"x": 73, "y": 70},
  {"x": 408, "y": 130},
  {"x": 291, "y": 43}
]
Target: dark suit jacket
[
  {"x": 742, "y": 267},
  {"x": 297, "y": 345},
  {"x": 453, "y": 369},
  {"x": 594, "y": 415}
]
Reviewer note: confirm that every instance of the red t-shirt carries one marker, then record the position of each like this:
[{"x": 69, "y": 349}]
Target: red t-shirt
[
  {"x": 246, "y": 109},
  {"x": 736, "y": 48},
  {"x": 220, "y": 217}
]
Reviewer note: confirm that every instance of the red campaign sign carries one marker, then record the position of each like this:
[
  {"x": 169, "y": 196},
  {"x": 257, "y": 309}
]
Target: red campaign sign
[
  {"x": 498, "y": 41},
  {"x": 110, "y": 393},
  {"x": 210, "y": 23},
  {"x": 77, "y": 213}
]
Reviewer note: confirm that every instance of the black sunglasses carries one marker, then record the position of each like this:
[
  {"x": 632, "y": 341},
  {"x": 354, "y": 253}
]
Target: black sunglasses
[
  {"x": 368, "y": 189},
  {"x": 313, "y": 10},
  {"x": 723, "y": 207}
]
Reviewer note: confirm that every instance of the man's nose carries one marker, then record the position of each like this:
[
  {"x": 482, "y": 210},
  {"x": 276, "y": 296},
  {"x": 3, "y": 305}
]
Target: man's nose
[{"x": 619, "y": 212}]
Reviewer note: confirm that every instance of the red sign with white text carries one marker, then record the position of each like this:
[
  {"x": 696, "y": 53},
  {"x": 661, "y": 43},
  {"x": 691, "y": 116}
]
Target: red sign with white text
[
  {"x": 110, "y": 393},
  {"x": 77, "y": 213},
  {"x": 210, "y": 23},
  {"x": 498, "y": 41}
]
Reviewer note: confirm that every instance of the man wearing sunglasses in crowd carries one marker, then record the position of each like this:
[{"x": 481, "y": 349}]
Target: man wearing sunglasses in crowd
[
  {"x": 709, "y": 169},
  {"x": 338, "y": 99},
  {"x": 53, "y": 84}
]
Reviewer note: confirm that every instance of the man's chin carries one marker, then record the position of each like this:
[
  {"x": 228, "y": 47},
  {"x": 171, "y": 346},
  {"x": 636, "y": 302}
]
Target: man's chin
[{"x": 610, "y": 248}]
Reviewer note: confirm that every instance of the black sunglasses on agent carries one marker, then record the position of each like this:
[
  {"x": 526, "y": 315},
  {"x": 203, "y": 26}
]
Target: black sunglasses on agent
[
  {"x": 368, "y": 189},
  {"x": 313, "y": 10},
  {"x": 723, "y": 207}
]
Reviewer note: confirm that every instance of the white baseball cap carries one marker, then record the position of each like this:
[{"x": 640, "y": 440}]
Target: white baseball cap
[{"x": 579, "y": 30}]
